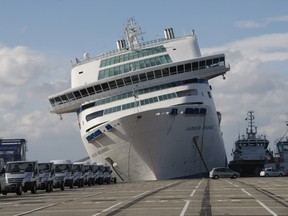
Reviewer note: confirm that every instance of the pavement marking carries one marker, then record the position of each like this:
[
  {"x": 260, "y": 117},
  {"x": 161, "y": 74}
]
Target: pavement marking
[
  {"x": 37, "y": 209},
  {"x": 262, "y": 204},
  {"x": 188, "y": 201},
  {"x": 266, "y": 207},
  {"x": 140, "y": 194},
  {"x": 232, "y": 183},
  {"x": 185, "y": 207},
  {"x": 192, "y": 194},
  {"x": 107, "y": 209}
]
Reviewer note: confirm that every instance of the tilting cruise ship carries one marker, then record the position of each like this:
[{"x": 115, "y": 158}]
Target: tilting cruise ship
[
  {"x": 251, "y": 151},
  {"x": 147, "y": 108}
]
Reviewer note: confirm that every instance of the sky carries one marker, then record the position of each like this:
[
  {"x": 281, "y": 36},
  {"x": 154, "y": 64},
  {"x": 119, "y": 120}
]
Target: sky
[{"x": 38, "y": 40}]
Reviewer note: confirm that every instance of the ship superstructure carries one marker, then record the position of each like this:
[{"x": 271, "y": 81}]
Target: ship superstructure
[
  {"x": 251, "y": 151},
  {"x": 147, "y": 108},
  {"x": 280, "y": 159}
]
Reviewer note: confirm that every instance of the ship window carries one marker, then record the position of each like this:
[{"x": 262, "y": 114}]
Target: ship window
[
  {"x": 84, "y": 93},
  {"x": 173, "y": 70},
  {"x": 165, "y": 72},
  {"x": 135, "y": 79},
  {"x": 137, "y": 65},
  {"x": 202, "y": 64},
  {"x": 143, "y": 77},
  {"x": 112, "y": 84},
  {"x": 150, "y": 75},
  {"x": 116, "y": 70},
  {"x": 105, "y": 86},
  {"x": 127, "y": 81},
  {"x": 153, "y": 63},
  {"x": 120, "y": 83},
  {"x": 209, "y": 94},
  {"x": 52, "y": 102},
  {"x": 195, "y": 66},
  {"x": 98, "y": 88},
  {"x": 77, "y": 94},
  {"x": 147, "y": 63},
  {"x": 158, "y": 60},
  {"x": 215, "y": 60},
  {"x": 70, "y": 96},
  {"x": 91, "y": 90},
  {"x": 126, "y": 68},
  {"x": 187, "y": 67},
  {"x": 180, "y": 68},
  {"x": 158, "y": 74},
  {"x": 57, "y": 99},
  {"x": 209, "y": 62},
  {"x": 94, "y": 115},
  {"x": 64, "y": 98}
]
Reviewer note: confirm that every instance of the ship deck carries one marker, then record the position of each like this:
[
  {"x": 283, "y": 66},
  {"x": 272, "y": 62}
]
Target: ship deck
[{"x": 242, "y": 196}]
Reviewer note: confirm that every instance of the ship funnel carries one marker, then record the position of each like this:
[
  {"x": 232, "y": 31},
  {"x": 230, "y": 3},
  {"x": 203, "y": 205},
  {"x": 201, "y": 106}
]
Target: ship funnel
[
  {"x": 169, "y": 33},
  {"x": 121, "y": 44}
]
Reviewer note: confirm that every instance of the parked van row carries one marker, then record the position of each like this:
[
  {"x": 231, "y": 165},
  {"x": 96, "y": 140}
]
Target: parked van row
[{"x": 23, "y": 176}]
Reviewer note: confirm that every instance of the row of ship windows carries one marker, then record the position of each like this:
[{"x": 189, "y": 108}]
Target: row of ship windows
[
  {"x": 251, "y": 144},
  {"x": 132, "y": 55},
  {"x": 132, "y": 66},
  {"x": 140, "y": 92},
  {"x": 143, "y": 77},
  {"x": 130, "y": 105}
]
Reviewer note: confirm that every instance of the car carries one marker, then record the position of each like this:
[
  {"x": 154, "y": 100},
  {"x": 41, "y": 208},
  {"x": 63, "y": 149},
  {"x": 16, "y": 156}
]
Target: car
[
  {"x": 271, "y": 172},
  {"x": 223, "y": 172}
]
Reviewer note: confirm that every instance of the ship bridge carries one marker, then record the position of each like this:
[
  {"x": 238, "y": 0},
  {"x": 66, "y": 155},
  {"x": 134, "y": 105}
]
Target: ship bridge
[{"x": 200, "y": 68}]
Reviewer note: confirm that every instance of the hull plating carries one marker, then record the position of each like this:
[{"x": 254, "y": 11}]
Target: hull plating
[{"x": 156, "y": 145}]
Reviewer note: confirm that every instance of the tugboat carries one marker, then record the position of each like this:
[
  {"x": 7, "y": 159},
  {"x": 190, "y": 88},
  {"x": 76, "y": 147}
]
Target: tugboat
[
  {"x": 250, "y": 153},
  {"x": 280, "y": 159}
]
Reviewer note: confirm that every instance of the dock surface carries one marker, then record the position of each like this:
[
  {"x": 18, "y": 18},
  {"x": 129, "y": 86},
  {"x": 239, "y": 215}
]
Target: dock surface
[{"x": 242, "y": 196}]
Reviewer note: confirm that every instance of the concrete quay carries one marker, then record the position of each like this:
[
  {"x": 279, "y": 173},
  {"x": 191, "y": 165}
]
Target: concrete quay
[{"x": 242, "y": 196}]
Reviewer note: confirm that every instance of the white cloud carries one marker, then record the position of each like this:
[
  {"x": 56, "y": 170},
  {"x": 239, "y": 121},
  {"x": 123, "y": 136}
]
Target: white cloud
[
  {"x": 19, "y": 65},
  {"x": 27, "y": 78},
  {"x": 250, "y": 24},
  {"x": 253, "y": 84},
  {"x": 260, "y": 24}
]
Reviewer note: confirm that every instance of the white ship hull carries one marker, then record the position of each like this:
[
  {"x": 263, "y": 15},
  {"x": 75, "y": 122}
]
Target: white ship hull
[{"x": 155, "y": 145}]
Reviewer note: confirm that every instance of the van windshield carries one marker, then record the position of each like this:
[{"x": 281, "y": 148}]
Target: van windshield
[
  {"x": 45, "y": 167},
  {"x": 19, "y": 167},
  {"x": 62, "y": 168}
]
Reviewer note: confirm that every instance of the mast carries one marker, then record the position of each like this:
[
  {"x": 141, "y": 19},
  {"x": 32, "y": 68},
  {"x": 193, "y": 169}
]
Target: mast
[
  {"x": 132, "y": 33},
  {"x": 251, "y": 131}
]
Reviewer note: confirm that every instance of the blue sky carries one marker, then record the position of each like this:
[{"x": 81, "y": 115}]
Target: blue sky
[{"x": 38, "y": 39}]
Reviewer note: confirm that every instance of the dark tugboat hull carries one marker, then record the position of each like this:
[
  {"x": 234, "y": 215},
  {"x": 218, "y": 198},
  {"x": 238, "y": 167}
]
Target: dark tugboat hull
[{"x": 247, "y": 168}]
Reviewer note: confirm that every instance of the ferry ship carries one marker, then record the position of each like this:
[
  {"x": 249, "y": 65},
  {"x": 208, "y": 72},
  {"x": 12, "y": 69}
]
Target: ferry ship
[
  {"x": 147, "y": 108},
  {"x": 251, "y": 151}
]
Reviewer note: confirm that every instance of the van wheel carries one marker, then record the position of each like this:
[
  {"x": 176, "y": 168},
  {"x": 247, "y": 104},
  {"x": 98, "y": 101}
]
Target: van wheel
[
  {"x": 215, "y": 176},
  {"x": 33, "y": 189},
  {"x": 62, "y": 186},
  {"x": 51, "y": 186},
  {"x": 48, "y": 187},
  {"x": 19, "y": 190},
  {"x": 234, "y": 177},
  {"x": 4, "y": 192}
]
